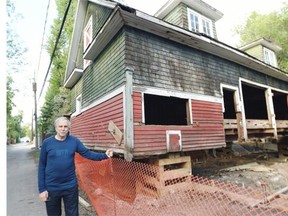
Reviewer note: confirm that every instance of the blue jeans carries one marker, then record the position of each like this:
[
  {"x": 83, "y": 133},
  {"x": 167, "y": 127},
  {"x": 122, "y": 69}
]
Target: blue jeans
[{"x": 70, "y": 199}]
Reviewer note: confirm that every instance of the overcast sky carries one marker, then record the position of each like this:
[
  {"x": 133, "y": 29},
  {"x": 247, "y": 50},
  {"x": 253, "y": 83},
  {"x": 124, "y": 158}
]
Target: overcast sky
[{"x": 30, "y": 29}]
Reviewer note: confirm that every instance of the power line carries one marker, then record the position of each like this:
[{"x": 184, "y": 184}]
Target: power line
[
  {"x": 42, "y": 40},
  {"x": 34, "y": 84},
  {"x": 55, "y": 46}
]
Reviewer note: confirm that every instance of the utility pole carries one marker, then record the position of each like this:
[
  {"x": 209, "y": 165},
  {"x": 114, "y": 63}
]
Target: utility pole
[
  {"x": 35, "y": 114},
  {"x": 32, "y": 127}
]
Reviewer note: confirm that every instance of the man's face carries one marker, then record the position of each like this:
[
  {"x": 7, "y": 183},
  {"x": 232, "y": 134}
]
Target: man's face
[{"x": 62, "y": 128}]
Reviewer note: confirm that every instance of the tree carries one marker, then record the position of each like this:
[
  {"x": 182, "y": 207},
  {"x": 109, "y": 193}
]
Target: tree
[
  {"x": 15, "y": 50},
  {"x": 57, "y": 98},
  {"x": 14, "y": 58},
  {"x": 273, "y": 26}
]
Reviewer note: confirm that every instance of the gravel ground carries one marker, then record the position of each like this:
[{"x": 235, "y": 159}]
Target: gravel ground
[{"x": 84, "y": 211}]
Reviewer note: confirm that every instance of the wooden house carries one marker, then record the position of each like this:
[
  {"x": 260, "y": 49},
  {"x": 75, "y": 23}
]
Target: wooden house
[{"x": 151, "y": 86}]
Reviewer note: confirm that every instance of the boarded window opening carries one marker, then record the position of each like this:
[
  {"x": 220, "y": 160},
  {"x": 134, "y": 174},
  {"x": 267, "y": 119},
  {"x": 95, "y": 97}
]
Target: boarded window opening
[{"x": 160, "y": 110}]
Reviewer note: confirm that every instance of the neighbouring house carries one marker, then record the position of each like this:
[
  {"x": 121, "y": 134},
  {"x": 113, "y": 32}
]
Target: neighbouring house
[
  {"x": 150, "y": 86},
  {"x": 263, "y": 49}
]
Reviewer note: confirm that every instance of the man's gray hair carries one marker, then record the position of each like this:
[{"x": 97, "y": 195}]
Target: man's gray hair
[{"x": 62, "y": 119}]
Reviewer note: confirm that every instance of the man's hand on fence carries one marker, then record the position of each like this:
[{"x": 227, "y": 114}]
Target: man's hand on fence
[{"x": 109, "y": 153}]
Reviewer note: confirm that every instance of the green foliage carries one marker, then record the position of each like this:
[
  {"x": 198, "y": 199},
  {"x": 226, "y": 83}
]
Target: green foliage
[
  {"x": 273, "y": 26},
  {"x": 14, "y": 131},
  {"x": 9, "y": 96},
  {"x": 14, "y": 54},
  {"x": 14, "y": 128},
  {"x": 15, "y": 50},
  {"x": 57, "y": 98},
  {"x": 26, "y": 131}
]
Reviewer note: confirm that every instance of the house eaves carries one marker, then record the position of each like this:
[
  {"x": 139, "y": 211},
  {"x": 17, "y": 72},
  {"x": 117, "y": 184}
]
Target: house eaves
[
  {"x": 163, "y": 29},
  {"x": 77, "y": 34},
  {"x": 73, "y": 78},
  {"x": 197, "y": 5},
  {"x": 264, "y": 42}
]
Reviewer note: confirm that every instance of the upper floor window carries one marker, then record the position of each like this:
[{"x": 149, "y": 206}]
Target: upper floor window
[
  {"x": 199, "y": 23},
  {"x": 269, "y": 57},
  {"x": 88, "y": 34}
]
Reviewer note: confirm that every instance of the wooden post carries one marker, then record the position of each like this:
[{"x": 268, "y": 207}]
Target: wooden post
[
  {"x": 128, "y": 116},
  {"x": 270, "y": 111}
]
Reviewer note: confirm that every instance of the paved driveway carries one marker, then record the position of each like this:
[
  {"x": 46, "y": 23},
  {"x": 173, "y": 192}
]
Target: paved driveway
[{"x": 22, "y": 192}]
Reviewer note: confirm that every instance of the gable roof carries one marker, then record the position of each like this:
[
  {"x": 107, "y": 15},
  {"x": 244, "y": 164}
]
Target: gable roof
[
  {"x": 264, "y": 42},
  {"x": 123, "y": 15}
]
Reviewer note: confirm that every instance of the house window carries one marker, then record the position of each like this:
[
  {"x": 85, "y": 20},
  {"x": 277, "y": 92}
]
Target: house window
[
  {"x": 78, "y": 104},
  {"x": 160, "y": 110},
  {"x": 199, "y": 23},
  {"x": 269, "y": 57},
  {"x": 88, "y": 34}
]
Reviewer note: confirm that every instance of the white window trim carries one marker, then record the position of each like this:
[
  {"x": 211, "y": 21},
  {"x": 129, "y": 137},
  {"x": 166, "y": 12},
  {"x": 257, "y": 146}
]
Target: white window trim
[
  {"x": 236, "y": 93},
  {"x": 88, "y": 33},
  {"x": 269, "y": 57},
  {"x": 78, "y": 104},
  {"x": 201, "y": 18}
]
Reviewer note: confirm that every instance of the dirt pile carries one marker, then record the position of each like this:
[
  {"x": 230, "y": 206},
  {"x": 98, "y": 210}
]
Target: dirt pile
[{"x": 247, "y": 166}]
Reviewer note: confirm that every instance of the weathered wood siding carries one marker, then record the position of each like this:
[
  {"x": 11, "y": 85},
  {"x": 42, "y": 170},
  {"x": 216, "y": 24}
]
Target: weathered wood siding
[
  {"x": 92, "y": 125},
  {"x": 161, "y": 63},
  {"x": 256, "y": 51},
  {"x": 206, "y": 132},
  {"x": 137, "y": 108},
  {"x": 178, "y": 16},
  {"x": 100, "y": 15},
  {"x": 208, "y": 129},
  {"x": 106, "y": 73}
]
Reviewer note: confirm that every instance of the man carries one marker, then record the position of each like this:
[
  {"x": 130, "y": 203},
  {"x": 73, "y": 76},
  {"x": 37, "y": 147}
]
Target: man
[{"x": 56, "y": 172}]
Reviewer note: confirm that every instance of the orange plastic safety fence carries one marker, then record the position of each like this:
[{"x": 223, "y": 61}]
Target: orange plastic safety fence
[{"x": 119, "y": 187}]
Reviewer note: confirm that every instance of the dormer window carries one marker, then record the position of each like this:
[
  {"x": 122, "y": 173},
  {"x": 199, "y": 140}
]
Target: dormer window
[
  {"x": 199, "y": 23},
  {"x": 269, "y": 57}
]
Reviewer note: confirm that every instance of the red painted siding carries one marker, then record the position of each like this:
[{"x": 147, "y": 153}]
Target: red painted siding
[
  {"x": 206, "y": 132},
  {"x": 91, "y": 126},
  {"x": 137, "y": 107}
]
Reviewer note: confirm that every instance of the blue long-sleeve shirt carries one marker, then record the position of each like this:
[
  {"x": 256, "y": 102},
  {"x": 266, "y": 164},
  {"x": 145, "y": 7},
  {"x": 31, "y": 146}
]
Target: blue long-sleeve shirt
[{"x": 56, "y": 169}]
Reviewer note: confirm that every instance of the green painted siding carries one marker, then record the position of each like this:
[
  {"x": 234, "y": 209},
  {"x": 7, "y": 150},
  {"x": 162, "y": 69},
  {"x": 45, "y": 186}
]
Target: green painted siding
[
  {"x": 106, "y": 73},
  {"x": 256, "y": 51},
  {"x": 178, "y": 16}
]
